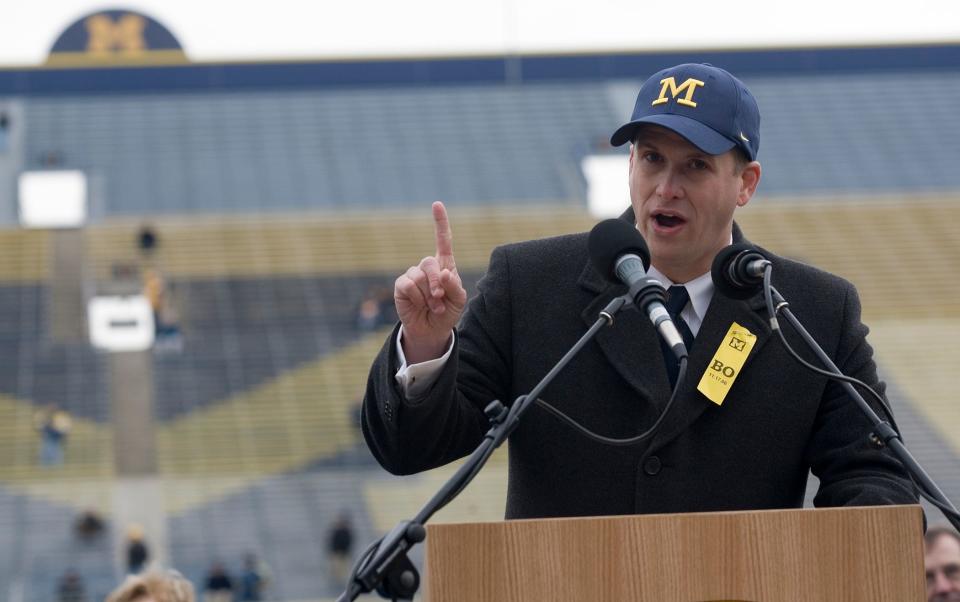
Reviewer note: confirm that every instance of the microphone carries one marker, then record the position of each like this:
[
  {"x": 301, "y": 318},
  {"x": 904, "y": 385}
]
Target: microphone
[
  {"x": 737, "y": 271},
  {"x": 618, "y": 251}
]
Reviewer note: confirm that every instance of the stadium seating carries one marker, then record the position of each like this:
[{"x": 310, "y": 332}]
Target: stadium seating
[
  {"x": 365, "y": 149},
  {"x": 254, "y": 417}
]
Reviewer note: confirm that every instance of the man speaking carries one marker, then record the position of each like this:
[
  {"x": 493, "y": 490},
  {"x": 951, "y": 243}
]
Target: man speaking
[{"x": 693, "y": 137}]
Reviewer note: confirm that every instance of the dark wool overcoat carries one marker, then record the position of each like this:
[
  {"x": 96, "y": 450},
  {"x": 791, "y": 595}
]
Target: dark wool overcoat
[{"x": 754, "y": 451}]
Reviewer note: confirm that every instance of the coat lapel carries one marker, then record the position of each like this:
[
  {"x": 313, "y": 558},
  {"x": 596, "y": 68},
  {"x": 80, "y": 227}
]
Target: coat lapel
[
  {"x": 690, "y": 402},
  {"x": 630, "y": 344}
]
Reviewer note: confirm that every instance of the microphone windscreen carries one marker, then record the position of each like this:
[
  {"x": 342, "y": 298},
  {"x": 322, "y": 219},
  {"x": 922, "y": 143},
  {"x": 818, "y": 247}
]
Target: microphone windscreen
[
  {"x": 720, "y": 272},
  {"x": 610, "y": 240}
]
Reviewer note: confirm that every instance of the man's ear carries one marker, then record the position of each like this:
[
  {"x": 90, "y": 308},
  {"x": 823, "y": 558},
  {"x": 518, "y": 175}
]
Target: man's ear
[{"x": 749, "y": 179}]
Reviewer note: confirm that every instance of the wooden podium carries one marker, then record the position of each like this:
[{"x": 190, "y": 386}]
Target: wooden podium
[{"x": 830, "y": 555}]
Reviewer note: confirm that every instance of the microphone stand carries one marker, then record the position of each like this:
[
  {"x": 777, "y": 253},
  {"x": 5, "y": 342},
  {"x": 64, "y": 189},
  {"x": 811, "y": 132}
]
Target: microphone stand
[
  {"x": 385, "y": 566},
  {"x": 882, "y": 435}
]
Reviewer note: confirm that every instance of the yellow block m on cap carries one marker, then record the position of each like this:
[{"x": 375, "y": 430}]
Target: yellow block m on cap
[{"x": 669, "y": 84}]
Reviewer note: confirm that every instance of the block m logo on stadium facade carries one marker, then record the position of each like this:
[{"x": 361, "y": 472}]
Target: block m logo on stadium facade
[
  {"x": 123, "y": 35},
  {"x": 687, "y": 88}
]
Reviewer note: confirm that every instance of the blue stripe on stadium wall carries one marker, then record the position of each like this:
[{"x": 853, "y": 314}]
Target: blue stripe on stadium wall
[{"x": 441, "y": 71}]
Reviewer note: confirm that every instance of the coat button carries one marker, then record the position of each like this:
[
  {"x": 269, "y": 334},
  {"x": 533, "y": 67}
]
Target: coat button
[{"x": 652, "y": 465}]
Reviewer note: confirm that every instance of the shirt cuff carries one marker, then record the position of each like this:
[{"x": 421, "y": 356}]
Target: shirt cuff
[{"x": 416, "y": 379}]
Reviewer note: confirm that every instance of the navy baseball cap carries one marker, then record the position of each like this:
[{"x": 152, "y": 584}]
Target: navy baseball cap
[{"x": 705, "y": 104}]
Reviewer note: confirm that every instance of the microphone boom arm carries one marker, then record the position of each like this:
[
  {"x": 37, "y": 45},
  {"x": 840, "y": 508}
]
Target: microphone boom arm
[
  {"x": 385, "y": 566},
  {"x": 882, "y": 435}
]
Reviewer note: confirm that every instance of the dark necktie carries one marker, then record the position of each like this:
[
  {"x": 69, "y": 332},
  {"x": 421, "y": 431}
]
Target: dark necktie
[{"x": 677, "y": 299}]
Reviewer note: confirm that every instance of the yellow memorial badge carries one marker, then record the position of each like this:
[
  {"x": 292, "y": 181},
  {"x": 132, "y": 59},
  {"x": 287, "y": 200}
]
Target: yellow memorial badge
[{"x": 726, "y": 363}]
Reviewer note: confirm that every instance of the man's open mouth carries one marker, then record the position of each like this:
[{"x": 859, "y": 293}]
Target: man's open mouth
[{"x": 668, "y": 221}]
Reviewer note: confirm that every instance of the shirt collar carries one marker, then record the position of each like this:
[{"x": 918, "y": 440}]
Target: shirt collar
[{"x": 700, "y": 290}]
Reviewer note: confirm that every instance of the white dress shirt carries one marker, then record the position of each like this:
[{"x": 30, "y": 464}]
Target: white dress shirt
[{"x": 700, "y": 290}]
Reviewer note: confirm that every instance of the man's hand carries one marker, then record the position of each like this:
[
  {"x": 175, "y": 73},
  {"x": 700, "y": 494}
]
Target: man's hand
[{"x": 430, "y": 297}]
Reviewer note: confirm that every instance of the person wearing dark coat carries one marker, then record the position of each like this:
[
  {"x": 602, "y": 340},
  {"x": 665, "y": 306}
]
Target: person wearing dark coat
[
  {"x": 138, "y": 553},
  {"x": 340, "y": 548},
  {"x": 694, "y": 139},
  {"x": 219, "y": 584}
]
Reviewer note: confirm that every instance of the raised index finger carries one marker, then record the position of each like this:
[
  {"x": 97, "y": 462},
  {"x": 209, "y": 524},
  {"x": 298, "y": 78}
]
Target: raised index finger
[{"x": 444, "y": 236}]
